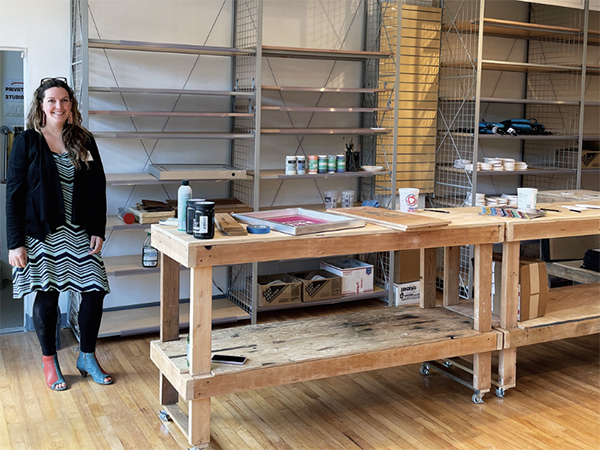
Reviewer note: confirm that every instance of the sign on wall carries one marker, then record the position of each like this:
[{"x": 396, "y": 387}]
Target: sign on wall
[{"x": 13, "y": 90}]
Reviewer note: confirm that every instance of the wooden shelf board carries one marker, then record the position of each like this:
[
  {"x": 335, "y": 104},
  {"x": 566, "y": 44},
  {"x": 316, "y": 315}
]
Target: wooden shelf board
[
  {"x": 170, "y": 135},
  {"x": 141, "y": 178},
  {"x": 127, "y": 265},
  {"x": 519, "y": 101},
  {"x": 333, "y": 131},
  {"x": 324, "y": 89},
  {"x": 377, "y": 293},
  {"x": 317, "y": 53},
  {"x": 322, "y": 109},
  {"x": 466, "y": 308},
  {"x": 166, "y": 48},
  {"x": 529, "y": 171},
  {"x": 170, "y": 114},
  {"x": 157, "y": 91},
  {"x": 509, "y": 66},
  {"x": 300, "y": 350},
  {"x": 177, "y": 172},
  {"x": 571, "y": 311},
  {"x": 126, "y": 322},
  {"x": 278, "y": 174},
  {"x": 572, "y": 270}
]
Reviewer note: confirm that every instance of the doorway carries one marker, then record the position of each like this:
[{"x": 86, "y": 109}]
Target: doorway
[{"x": 12, "y": 121}]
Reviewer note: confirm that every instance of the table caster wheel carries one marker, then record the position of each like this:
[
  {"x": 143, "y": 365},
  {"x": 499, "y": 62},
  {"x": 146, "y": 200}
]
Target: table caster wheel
[
  {"x": 164, "y": 415},
  {"x": 448, "y": 364},
  {"x": 424, "y": 369},
  {"x": 500, "y": 392},
  {"x": 477, "y": 397}
]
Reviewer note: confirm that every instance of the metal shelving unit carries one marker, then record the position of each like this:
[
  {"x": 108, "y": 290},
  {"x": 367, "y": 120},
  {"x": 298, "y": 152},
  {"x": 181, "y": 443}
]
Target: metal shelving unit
[
  {"x": 227, "y": 130},
  {"x": 552, "y": 77},
  {"x": 369, "y": 109}
]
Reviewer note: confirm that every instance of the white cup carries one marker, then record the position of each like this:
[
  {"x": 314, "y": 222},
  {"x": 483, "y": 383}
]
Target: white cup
[
  {"x": 330, "y": 199},
  {"x": 409, "y": 199},
  {"x": 526, "y": 199},
  {"x": 347, "y": 199}
]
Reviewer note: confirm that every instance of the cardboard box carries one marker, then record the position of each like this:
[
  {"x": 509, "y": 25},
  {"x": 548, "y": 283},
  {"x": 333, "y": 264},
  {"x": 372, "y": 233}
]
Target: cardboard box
[
  {"x": 357, "y": 276},
  {"x": 285, "y": 292},
  {"x": 407, "y": 266},
  {"x": 533, "y": 288},
  {"x": 590, "y": 159},
  {"x": 325, "y": 286},
  {"x": 407, "y": 293}
]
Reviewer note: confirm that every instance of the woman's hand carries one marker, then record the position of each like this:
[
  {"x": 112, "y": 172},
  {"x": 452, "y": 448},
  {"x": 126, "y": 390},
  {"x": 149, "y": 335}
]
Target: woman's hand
[
  {"x": 96, "y": 244},
  {"x": 17, "y": 257}
]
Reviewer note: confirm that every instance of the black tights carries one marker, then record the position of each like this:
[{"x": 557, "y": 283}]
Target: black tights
[{"x": 45, "y": 317}]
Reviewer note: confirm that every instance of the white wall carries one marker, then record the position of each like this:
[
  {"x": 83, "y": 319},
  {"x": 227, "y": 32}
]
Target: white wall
[{"x": 41, "y": 30}]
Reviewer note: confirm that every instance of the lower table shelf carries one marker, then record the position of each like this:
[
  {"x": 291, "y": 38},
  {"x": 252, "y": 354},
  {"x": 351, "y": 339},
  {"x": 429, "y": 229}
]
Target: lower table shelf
[
  {"x": 126, "y": 322},
  {"x": 309, "y": 349},
  {"x": 571, "y": 311}
]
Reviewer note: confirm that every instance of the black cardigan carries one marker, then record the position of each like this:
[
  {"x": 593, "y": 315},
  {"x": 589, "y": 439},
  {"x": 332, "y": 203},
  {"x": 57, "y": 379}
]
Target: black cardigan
[{"x": 34, "y": 199}]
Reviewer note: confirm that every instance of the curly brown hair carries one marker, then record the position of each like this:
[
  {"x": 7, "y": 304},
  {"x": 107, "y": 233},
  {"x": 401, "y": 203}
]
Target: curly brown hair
[{"x": 74, "y": 135}]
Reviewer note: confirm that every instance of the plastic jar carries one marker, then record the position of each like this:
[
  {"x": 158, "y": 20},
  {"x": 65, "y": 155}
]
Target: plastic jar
[
  {"x": 313, "y": 164},
  {"x": 190, "y": 211},
  {"x": 204, "y": 220}
]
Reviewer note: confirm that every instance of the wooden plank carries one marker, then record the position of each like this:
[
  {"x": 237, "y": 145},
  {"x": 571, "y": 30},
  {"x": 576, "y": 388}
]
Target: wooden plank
[
  {"x": 416, "y": 114},
  {"x": 229, "y": 226},
  {"x": 483, "y": 287},
  {"x": 451, "y": 275},
  {"x": 572, "y": 270},
  {"x": 427, "y": 278},
  {"x": 430, "y": 60},
  {"x": 568, "y": 304},
  {"x": 169, "y": 298},
  {"x": 199, "y": 423},
  {"x": 421, "y": 24},
  {"x": 200, "y": 319},
  {"x": 392, "y": 219},
  {"x": 141, "y": 320},
  {"x": 509, "y": 295},
  {"x": 420, "y": 33},
  {"x": 414, "y": 167},
  {"x": 520, "y": 337},
  {"x": 421, "y": 185},
  {"x": 419, "y": 156},
  {"x": 421, "y": 15},
  {"x": 561, "y": 224},
  {"x": 482, "y": 371},
  {"x": 469, "y": 228},
  {"x": 507, "y": 365}
]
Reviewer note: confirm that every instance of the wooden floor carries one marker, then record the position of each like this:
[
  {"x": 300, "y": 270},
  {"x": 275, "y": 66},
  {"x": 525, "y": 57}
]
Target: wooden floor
[{"x": 556, "y": 404}]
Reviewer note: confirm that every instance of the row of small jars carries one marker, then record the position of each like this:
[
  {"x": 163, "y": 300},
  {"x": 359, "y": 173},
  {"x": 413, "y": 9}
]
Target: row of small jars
[{"x": 296, "y": 165}]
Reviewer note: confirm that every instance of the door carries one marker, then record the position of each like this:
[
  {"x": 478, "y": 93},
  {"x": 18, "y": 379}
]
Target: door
[{"x": 12, "y": 120}]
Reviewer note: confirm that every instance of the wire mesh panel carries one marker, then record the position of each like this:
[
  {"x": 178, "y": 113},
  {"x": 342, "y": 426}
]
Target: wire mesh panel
[
  {"x": 79, "y": 50},
  {"x": 565, "y": 49},
  {"x": 456, "y": 121}
]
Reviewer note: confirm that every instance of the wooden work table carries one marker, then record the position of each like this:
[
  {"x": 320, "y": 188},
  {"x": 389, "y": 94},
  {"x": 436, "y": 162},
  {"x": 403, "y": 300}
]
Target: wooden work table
[
  {"x": 572, "y": 311},
  {"x": 302, "y": 350}
]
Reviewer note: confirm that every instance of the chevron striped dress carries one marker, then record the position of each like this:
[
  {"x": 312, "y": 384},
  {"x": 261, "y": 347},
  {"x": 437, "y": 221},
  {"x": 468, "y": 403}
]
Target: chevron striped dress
[{"x": 62, "y": 261}]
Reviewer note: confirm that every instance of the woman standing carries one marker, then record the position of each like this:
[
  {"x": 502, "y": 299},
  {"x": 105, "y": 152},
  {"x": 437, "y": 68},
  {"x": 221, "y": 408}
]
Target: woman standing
[{"x": 56, "y": 218}]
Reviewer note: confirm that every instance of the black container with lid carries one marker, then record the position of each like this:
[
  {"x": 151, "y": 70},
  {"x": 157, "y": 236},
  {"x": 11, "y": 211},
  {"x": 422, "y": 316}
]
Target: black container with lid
[
  {"x": 204, "y": 220},
  {"x": 190, "y": 212}
]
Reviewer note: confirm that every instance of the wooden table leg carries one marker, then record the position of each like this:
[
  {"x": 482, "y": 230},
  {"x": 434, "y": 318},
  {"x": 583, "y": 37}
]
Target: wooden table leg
[
  {"x": 482, "y": 362},
  {"x": 169, "y": 318},
  {"x": 200, "y": 350},
  {"x": 428, "y": 269},
  {"x": 451, "y": 275},
  {"x": 509, "y": 304}
]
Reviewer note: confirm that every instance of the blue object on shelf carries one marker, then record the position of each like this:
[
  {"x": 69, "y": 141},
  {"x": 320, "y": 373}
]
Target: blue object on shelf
[{"x": 373, "y": 203}]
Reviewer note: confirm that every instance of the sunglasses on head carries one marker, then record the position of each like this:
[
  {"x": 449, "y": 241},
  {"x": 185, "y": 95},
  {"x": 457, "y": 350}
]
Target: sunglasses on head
[{"x": 46, "y": 80}]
